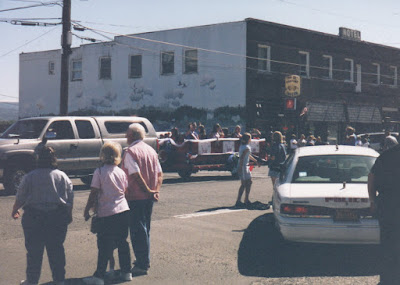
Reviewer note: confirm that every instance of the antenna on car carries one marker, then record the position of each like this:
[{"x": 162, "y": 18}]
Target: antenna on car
[{"x": 337, "y": 147}]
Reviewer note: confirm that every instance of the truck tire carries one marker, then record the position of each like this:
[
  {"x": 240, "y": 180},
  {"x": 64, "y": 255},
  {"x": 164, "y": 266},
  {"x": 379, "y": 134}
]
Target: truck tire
[
  {"x": 12, "y": 179},
  {"x": 87, "y": 180},
  {"x": 184, "y": 173}
]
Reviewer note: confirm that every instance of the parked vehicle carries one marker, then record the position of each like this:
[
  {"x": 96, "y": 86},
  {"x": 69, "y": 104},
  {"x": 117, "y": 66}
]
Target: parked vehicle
[
  {"x": 76, "y": 140},
  {"x": 322, "y": 196},
  {"x": 209, "y": 154},
  {"x": 377, "y": 139}
]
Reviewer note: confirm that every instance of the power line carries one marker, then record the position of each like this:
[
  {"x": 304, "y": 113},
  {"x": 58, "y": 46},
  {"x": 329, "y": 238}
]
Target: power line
[
  {"x": 220, "y": 52},
  {"x": 28, "y": 42},
  {"x": 8, "y": 96},
  {"x": 32, "y": 6}
]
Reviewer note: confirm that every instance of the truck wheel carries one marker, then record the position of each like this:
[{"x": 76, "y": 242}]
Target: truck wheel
[
  {"x": 184, "y": 173},
  {"x": 87, "y": 179},
  {"x": 12, "y": 179}
]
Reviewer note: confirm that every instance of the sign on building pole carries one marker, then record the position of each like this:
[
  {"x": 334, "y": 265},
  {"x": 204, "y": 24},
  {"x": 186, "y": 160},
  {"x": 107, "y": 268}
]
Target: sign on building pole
[
  {"x": 292, "y": 85},
  {"x": 66, "y": 39}
]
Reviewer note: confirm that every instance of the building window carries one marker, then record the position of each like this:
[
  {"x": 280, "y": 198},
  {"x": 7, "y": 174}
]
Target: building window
[
  {"x": 51, "y": 67},
  {"x": 394, "y": 75},
  {"x": 264, "y": 58},
  {"x": 327, "y": 66},
  {"x": 135, "y": 66},
  {"x": 377, "y": 73},
  {"x": 190, "y": 61},
  {"x": 105, "y": 68},
  {"x": 167, "y": 62},
  {"x": 349, "y": 70},
  {"x": 304, "y": 61},
  {"x": 76, "y": 70}
]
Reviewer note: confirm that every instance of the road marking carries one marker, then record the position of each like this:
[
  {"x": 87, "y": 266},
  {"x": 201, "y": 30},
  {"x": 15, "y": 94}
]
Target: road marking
[{"x": 200, "y": 214}]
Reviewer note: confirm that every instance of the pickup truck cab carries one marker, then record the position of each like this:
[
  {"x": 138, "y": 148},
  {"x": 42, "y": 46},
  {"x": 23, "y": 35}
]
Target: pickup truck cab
[{"x": 76, "y": 140}]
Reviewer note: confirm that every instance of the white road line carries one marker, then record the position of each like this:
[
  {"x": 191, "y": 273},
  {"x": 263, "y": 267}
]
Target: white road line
[{"x": 200, "y": 214}]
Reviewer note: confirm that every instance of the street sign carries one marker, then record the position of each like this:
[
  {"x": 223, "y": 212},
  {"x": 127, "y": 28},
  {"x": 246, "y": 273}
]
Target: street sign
[{"x": 292, "y": 85}]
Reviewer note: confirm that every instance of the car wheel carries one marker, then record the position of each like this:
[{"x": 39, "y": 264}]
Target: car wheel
[
  {"x": 12, "y": 179},
  {"x": 87, "y": 179},
  {"x": 184, "y": 173}
]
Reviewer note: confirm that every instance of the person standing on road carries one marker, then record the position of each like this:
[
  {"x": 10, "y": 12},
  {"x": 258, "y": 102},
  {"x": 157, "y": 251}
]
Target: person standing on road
[
  {"x": 141, "y": 164},
  {"x": 47, "y": 199},
  {"x": 277, "y": 156},
  {"x": 384, "y": 179},
  {"x": 107, "y": 195},
  {"x": 244, "y": 170},
  {"x": 390, "y": 141}
]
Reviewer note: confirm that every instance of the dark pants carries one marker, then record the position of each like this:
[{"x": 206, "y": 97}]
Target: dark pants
[
  {"x": 139, "y": 225},
  {"x": 45, "y": 229},
  {"x": 390, "y": 251},
  {"x": 112, "y": 233}
]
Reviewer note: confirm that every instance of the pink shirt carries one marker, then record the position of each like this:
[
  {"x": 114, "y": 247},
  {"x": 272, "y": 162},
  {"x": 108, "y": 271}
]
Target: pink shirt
[
  {"x": 112, "y": 182},
  {"x": 142, "y": 158}
]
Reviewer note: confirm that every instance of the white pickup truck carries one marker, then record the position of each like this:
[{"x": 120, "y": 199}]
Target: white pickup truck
[{"x": 76, "y": 140}]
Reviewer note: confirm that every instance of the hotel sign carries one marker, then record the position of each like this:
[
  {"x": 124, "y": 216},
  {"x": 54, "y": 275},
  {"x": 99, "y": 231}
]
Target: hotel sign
[
  {"x": 292, "y": 85},
  {"x": 349, "y": 34}
]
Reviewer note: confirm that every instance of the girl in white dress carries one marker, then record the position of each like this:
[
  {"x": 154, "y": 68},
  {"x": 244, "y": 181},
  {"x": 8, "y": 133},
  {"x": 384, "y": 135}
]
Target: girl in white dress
[{"x": 244, "y": 170}]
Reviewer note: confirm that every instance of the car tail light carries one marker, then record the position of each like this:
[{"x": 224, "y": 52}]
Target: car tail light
[{"x": 304, "y": 210}]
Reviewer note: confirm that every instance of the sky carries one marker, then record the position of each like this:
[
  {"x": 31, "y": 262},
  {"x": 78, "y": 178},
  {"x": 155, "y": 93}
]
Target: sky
[{"x": 378, "y": 21}]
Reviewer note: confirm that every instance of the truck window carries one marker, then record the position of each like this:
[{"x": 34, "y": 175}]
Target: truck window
[
  {"x": 120, "y": 127},
  {"x": 26, "y": 129},
  {"x": 63, "y": 130},
  {"x": 85, "y": 129}
]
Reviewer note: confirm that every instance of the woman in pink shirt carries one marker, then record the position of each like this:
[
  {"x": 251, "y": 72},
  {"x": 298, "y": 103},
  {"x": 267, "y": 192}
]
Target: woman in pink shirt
[{"x": 108, "y": 191}]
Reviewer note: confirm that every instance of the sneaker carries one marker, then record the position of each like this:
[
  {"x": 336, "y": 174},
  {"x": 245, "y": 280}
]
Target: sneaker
[
  {"x": 126, "y": 276},
  {"x": 93, "y": 280},
  {"x": 111, "y": 274},
  {"x": 137, "y": 271},
  {"x": 26, "y": 282}
]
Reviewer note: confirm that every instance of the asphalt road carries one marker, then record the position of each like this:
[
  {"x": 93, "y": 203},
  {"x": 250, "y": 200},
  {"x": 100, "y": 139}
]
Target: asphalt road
[{"x": 197, "y": 237}]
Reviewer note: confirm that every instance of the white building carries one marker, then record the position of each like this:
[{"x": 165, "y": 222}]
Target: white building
[{"x": 202, "y": 67}]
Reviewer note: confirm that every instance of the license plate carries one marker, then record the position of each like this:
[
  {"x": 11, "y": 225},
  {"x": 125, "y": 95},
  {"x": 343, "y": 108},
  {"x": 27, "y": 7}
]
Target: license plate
[{"x": 344, "y": 215}]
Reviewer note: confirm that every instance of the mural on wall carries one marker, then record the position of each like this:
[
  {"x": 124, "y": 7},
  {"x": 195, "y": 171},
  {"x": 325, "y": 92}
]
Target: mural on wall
[
  {"x": 208, "y": 81},
  {"x": 138, "y": 92},
  {"x": 174, "y": 97}
]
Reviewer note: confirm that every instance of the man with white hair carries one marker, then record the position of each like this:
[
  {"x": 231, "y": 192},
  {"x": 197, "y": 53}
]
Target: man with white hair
[{"x": 141, "y": 164}]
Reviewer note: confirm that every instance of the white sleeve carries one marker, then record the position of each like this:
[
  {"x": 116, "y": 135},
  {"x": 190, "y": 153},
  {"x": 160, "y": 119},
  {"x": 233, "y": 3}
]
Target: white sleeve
[{"x": 131, "y": 164}]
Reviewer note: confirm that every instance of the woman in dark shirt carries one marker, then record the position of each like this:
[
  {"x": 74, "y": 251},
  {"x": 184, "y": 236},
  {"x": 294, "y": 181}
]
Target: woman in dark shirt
[{"x": 277, "y": 156}]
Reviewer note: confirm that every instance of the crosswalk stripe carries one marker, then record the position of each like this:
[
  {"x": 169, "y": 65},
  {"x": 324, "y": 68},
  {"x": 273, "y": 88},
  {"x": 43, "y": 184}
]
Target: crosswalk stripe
[{"x": 200, "y": 214}]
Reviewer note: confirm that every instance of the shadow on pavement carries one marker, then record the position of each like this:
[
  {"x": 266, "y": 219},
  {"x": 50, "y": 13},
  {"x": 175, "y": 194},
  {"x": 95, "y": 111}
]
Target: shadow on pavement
[
  {"x": 257, "y": 205},
  {"x": 264, "y": 253}
]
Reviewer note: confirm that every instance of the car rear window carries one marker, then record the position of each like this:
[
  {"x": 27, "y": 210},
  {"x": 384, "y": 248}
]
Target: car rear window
[
  {"x": 333, "y": 169},
  {"x": 116, "y": 127}
]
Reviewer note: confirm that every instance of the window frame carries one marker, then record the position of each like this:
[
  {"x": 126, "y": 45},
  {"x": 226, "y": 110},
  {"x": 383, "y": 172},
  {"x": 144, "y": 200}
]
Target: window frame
[
  {"x": 307, "y": 65},
  {"x": 330, "y": 68},
  {"x": 261, "y": 63},
  {"x": 161, "y": 63},
  {"x": 351, "y": 70},
  {"x": 378, "y": 73},
  {"x": 185, "y": 59},
  {"x": 394, "y": 77},
  {"x": 130, "y": 75},
  {"x": 51, "y": 67},
  {"x": 74, "y": 70},
  {"x": 100, "y": 67}
]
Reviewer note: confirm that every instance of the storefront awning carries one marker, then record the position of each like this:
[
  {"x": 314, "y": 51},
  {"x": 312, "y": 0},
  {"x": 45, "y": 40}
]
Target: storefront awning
[
  {"x": 364, "y": 114},
  {"x": 325, "y": 112}
]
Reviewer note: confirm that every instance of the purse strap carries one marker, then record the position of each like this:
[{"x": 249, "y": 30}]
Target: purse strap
[{"x": 96, "y": 202}]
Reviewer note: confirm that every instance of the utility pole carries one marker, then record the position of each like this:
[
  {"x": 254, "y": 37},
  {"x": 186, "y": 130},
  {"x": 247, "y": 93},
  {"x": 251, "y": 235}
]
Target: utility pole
[{"x": 66, "y": 39}]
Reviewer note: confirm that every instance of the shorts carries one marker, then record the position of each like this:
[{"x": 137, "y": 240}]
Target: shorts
[{"x": 273, "y": 173}]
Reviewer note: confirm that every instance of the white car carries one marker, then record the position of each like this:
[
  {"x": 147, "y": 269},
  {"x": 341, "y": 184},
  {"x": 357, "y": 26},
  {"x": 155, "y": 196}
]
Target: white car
[{"x": 322, "y": 196}]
